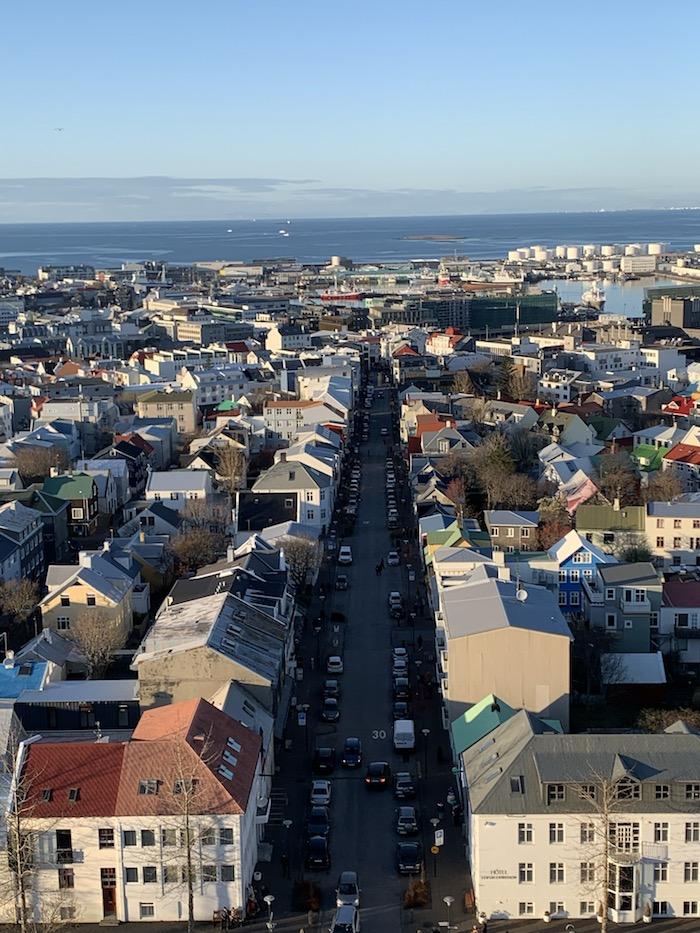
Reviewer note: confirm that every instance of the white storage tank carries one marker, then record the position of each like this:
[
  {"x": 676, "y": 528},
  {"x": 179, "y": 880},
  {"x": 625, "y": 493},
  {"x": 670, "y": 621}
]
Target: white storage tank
[
  {"x": 632, "y": 249},
  {"x": 513, "y": 255},
  {"x": 590, "y": 249},
  {"x": 696, "y": 248},
  {"x": 560, "y": 251},
  {"x": 524, "y": 252},
  {"x": 573, "y": 252},
  {"x": 657, "y": 249},
  {"x": 607, "y": 250},
  {"x": 541, "y": 254},
  {"x": 591, "y": 265}
]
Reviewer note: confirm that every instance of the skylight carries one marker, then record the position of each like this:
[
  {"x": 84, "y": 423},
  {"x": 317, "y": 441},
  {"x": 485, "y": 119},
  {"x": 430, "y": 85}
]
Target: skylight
[
  {"x": 226, "y": 772},
  {"x": 231, "y": 759},
  {"x": 148, "y": 787},
  {"x": 74, "y": 794},
  {"x": 232, "y": 743}
]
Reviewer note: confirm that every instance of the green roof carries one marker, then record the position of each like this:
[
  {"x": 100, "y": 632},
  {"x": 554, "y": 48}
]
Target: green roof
[
  {"x": 70, "y": 486},
  {"x": 606, "y": 518},
  {"x": 226, "y": 405},
  {"x": 603, "y": 425},
  {"x": 653, "y": 457},
  {"x": 478, "y": 721}
]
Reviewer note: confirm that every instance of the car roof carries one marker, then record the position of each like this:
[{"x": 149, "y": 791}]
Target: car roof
[
  {"x": 347, "y": 877},
  {"x": 406, "y": 811},
  {"x": 352, "y": 739}
]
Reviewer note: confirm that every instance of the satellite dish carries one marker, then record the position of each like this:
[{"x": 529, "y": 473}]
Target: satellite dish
[{"x": 521, "y": 595}]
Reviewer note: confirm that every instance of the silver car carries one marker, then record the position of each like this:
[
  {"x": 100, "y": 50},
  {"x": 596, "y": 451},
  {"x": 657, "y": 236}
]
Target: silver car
[{"x": 347, "y": 891}]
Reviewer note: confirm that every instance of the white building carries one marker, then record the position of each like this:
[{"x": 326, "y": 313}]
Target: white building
[
  {"x": 175, "y": 488},
  {"x": 638, "y": 265},
  {"x": 541, "y": 843}
]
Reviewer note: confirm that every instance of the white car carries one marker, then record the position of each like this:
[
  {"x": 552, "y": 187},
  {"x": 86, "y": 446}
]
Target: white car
[
  {"x": 393, "y": 559},
  {"x": 346, "y": 920},
  {"x": 334, "y": 664},
  {"x": 345, "y": 554},
  {"x": 320, "y": 795}
]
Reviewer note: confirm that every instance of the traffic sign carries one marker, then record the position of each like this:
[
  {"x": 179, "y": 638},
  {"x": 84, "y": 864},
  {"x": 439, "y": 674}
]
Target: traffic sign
[
  {"x": 439, "y": 837},
  {"x": 301, "y": 717},
  {"x": 435, "y": 850}
]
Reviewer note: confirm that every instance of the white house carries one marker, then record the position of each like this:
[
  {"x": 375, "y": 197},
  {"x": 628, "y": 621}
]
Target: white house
[{"x": 178, "y": 487}]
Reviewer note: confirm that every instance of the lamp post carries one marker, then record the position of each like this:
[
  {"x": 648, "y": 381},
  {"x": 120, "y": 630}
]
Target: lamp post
[
  {"x": 269, "y": 900},
  {"x": 434, "y": 849},
  {"x": 426, "y": 733},
  {"x": 287, "y": 826},
  {"x": 448, "y": 901}
]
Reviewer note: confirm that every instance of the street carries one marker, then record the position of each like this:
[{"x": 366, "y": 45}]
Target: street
[{"x": 363, "y": 838}]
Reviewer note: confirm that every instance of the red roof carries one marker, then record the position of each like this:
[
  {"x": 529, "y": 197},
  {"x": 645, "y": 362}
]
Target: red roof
[
  {"x": 133, "y": 438},
  {"x": 90, "y": 768},
  {"x": 405, "y": 351},
  {"x": 684, "y": 453},
  {"x": 238, "y": 346},
  {"x": 681, "y": 593},
  {"x": 679, "y": 405}
]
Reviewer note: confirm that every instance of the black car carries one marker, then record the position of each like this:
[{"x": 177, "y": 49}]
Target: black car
[
  {"x": 330, "y": 711},
  {"x": 409, "y": 858},
  {"x": 318, "y": 856},
  {"x": 331, "y": 688},
  {"x": 407, "y": 821},
  {"x": 352, "y": 753},
  {"x": 404, "y": 785},
  {"x": 324, "y": 761},
  {"x": 401, "y": 688},
  {"x": 378, "y": 775},
  {"x": 341, "y": 581},
  {"x": 318, "y": 822},
  {"x": 401, "y": 710}
]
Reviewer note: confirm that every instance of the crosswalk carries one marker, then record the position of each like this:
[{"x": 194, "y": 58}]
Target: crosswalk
[{"x": 278, "y": 807}]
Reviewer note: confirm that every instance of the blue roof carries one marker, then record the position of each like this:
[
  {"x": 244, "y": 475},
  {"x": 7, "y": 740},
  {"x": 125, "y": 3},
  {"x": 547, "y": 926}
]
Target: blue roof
[{"x": 21, "y": 675}]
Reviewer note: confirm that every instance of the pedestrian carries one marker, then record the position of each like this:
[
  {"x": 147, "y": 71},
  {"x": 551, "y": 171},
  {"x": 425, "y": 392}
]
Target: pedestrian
[
  {"x": 285, "y": 865},
  {"x": 223, "y": 919}
]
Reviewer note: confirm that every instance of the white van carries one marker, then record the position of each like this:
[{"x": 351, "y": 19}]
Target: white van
[{"x": 404, "y": 735}]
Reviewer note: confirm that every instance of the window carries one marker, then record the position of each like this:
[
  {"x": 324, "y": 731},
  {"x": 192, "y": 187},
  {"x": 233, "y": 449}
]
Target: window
[
  {"x": 309, "y": 496},
  {"x": 228, "y": 873},
  {"x": 692, "y": 791},
  {"x": 524, "y": 833},
  {"x": 510, "y": 532},
  {"x": 660, "y": 832},
  {"x": 131, "y": 875},
  {"x": 150, "y": 875},
  {"x": 659, "y": 523},
  {"x": 168, "y": 837},
  {"x": 659, "y": 542},
  {"x": 610, "y": 592},
  {"x": 309, "y": 514},
  {"x": 677, "y": 542},
  {"x": 525, "y": 908},
  {"x": 562, "y": 576},
  {"x": 556, "y": 872},
  {"x": 525, "y": 873},
  {"x": 289, "y": 503},
  {"x": 574, "y": 576},
  {"x": 660, "y": 909},
  {"x": 556, "y": 832},
  {"x": 587, "y": 872},
  {"x": 208, "y": 872},
  {"x": 148, "y": 837},
  {"x": 62, "y": 623},
  {"x": 627, "y": 789},
  {"x": 676, "y": 523},
  {"x": 129, "y": 837},
  {"x": 662, "y": 791},
  {"x": 690, "y": 908},
  {"x": 225, "y": 837},
  {"x": 171, "y": 874},
  {"x": 208, "y": 837},
  {"x": 66, "y": 878},
  {"x": 692, "y": 832},
  {"x": 574, "y": 599},
  {"x": 525, "y": 533},
  {"x": 494, "y": 532},
  {"x": 660, "y": 871},
  {"x": 562, "y": 599},
  {"x": 91, "y": 601},
  {"x": 624, "y": 836},
  {"x": 587, "y": 833},
  {"x": 146, "y": 911},
  {"x": 690, "y": 871},
  {"x": 556, "y": 907},
  {"x": 581, "y": 557},
  {"x": 517, "y": 784},
  {"x": 586, "y": 907},
  {"x": 653, "y": 620},
  {"x": 555, "y": 792},
  {"x": 76, "y": 514},
  {"x": 610, "y": 620},
  {"x": 67, "y": 912},
  {"x": 65, "y": 601},
  {"x": 148, "y": 787},
  {"x": 105, "y": 838}
]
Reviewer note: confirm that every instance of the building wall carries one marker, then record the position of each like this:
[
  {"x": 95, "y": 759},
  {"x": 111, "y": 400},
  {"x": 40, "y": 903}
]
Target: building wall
[
  {"x": 60, "y": 618},
  {"x": 527, "y": 669}
]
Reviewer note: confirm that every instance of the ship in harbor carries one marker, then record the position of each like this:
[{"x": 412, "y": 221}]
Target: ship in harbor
[{"x": 594, "y": 297}]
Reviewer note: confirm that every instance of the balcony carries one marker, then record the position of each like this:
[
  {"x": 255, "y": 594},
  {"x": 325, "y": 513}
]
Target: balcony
[
  {"x": 69, "y": 856},
  {"x": 638, "y": 606},
  {"x": 593, "y": 590},
  {"x": 685, "y": 631}
]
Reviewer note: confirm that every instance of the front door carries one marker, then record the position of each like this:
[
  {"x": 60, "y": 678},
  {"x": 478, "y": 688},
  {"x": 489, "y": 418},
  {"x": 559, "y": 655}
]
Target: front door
[{"x": 108, "y": 879}]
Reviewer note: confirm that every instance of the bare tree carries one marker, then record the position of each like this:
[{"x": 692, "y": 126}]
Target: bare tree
[
  {"x": 230, "y": 467},
  {"x": 98, "y": 637},
  {"x": 303, "y": 557},
  {"x": 19, "y": 599},
  {"x": 658, "y": 720},
  {"x": 617, "y": 479},
  {"x": 462, "y": 382},
  {"x": 196, "y": 547},
  {"x": 631, "y": 548},
  {"x": 663, "y": 486},
  {"x": 34, "y": 463},
  {"x": 522, "y": 384},
  {"x": 205, "y": 514},
  {"x": 456, "y": 493}
]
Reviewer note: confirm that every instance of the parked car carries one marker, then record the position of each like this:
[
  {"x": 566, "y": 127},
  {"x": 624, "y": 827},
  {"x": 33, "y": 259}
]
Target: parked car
[
  {"x": 341, "y": 581},
  {"x": 318, "y": 856},
  {"x": 324, "y": 760},
  {"x": 331, "y": 688},
  {"x": 346, "y": 920},
  {"x": 409, "y": 858},
  {"x": 398, "y": 652},
  {"x": 320, "y": 794},
  {"x": 318, "y": 822},
  {"x": 330, "y": 711},
  {"x": 378, "y": 775},
  {"x": 345, "y": 554},
  {"x": 404, "y": 785},
  {"x": 347, "y": 891},
  {"x": 402, "y": 689},
  {"x": 393, "y": 559},
  {"x": 399, "y": 667},
  {"x": 401, "y": 709},
  {"x": 334, "y": 664},
  {"x": 351, "y": 756},
  {"x": 407, "y": 821},
  {"x": 395, "y": 600}
]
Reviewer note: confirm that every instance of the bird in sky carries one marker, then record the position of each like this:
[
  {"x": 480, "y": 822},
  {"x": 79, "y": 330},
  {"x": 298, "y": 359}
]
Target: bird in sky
[{"x": 58, "y": 129}]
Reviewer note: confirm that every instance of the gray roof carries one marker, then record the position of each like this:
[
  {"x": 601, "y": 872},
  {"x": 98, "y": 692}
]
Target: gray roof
[
  {"x": 523, "y": 747},
  {"x": 641, "y": 573},
  {"x": 185, "y": 480},
  {"x": 292, "y": 475},
  {"x": 508, "y": 517},
  {"x": 674, "y": 509},
  {"x": 83, "y": 691}
]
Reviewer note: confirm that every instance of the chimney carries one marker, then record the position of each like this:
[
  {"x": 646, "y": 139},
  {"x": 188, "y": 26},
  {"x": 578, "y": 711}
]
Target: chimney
[
  {"x": 504, "y": 573},
  {"x": 54, "y": 471},
  {"x": 616, "y": 505},
  {"x": 230, "y": 555},
  {"x": 142, "y": 537}
]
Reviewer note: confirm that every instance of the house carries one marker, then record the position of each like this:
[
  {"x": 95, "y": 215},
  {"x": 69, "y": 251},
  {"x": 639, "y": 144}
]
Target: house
[
  {"x": 80, "y": 491},
  {"x": 287, "y": 337},
  {"x": 179, "y": 405},
  {"x": 258, "y": 510},
  {"x": 623, "y": 600},
  {"x": 533, "y": 804},
  {"x": 679, "y": 622},
  {"x": 496, "y": 635},
  {"x": 285, "y": 418},
  {"x": 157, "y": 518},
  {"x": 575, "y": 559},
  {"x": 77, "y": 705},
  {"x": 659, "y": 436},
  {"x": 673, "y": 531},
  {"x": 683, "y": 461},
  {"x": 136, "y": 454},
  {"x": 23, "y": 527},
  {"x": 109, "y": 817},
  {"x": 566, "y": 429},
  {"x": 612, "y": 527},
  {"x": 118, "y": 469},
  {"x": 512, "y": 531},
  {"x": 510, "y": 415},
  {"x": 558, "y": 385},
  {"x": 314, "y": 491},
  {"x": 177, "y": 488},
  {"x": 54, "y": 518}
]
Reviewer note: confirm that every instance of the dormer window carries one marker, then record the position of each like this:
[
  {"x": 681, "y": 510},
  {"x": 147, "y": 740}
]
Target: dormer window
[
  {"x": 555, "y": 793},
  {"x": 628, "y": 789},
  {"x": 74, "y": 794},
  {"x": 148, "y": 787}
]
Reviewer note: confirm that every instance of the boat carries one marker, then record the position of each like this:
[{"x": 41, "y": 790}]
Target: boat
[
  {"x": 283, "y": 232},
  {"x": 594, "y": 296}
]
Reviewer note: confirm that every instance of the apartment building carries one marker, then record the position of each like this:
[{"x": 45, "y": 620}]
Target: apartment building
[
  {"x": 673, "y": 532},
  {"x": 24, "y": 528},
  {"x": 181, "y": 406}
]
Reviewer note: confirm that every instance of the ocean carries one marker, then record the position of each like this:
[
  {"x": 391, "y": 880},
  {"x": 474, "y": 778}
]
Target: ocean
[{"x": 383, "y": 239}]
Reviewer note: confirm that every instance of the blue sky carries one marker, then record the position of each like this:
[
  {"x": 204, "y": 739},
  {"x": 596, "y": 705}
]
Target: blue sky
[{"x": 254, "y": 107}]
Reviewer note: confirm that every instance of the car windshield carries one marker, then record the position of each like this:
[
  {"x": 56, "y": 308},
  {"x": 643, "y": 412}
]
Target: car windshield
[{"x": 347, "y": 887}]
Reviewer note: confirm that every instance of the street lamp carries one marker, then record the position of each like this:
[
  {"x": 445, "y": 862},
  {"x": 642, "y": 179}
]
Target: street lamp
[
  {"x": 448, "y": 901},
  {"x": 287, "y": 826},
  {"x": 269, "y": 900},
  {"x": 426, "y": 733}
]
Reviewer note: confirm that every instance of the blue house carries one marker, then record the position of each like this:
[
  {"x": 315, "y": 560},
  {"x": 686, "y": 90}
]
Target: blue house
[{"x": 576, "y": 558}]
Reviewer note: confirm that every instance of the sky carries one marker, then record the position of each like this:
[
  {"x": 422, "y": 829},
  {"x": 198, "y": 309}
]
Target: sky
[{"x": 241, "y": 108}]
